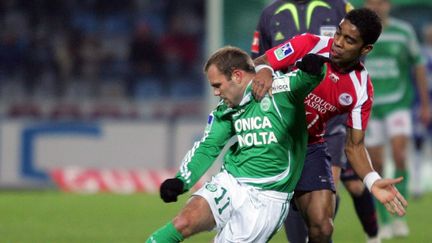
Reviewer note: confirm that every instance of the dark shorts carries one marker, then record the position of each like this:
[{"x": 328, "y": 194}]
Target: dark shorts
[
  {"x": 348, "y": 173},
  {"x": 316, "y": 174},
  {"x": 335, "y": 138}
]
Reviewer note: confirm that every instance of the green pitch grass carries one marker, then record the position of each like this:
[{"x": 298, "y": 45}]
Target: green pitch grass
[{"x": 61, "y": 217}]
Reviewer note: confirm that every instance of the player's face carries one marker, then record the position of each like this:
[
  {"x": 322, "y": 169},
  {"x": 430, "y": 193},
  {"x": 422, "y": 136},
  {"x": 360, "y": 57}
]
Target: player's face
[
  {"x": 347, "y": 44},
  {"x": 230, "y": 91}
]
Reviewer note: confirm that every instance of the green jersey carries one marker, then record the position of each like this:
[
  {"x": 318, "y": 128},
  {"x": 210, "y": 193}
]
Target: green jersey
[
  {"x": 389, "y": 65},
  {"x": 271, "y": 137}
]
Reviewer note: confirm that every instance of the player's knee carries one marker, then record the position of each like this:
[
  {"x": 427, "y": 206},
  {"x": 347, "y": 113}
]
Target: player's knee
[
  {"x": 183, "y": 225},
  {"x": 321, "y": 232}
]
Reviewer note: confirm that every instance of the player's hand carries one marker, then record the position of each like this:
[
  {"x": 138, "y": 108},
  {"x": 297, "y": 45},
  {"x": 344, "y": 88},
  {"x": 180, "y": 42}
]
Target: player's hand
[
  {"x": 170, "y": 189},
  {"x": 385, "y": 191},
  {"x": 262, "y": 83},
  {"x": 312, "y": 63}
]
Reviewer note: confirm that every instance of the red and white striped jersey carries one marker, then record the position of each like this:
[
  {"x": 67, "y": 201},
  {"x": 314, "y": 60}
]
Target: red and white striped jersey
[{"x": 338, "y": 93}]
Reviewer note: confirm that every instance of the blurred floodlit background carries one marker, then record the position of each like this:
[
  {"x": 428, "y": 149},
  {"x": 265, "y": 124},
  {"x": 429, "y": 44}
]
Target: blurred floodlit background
[{"x": 105, "y": 95}]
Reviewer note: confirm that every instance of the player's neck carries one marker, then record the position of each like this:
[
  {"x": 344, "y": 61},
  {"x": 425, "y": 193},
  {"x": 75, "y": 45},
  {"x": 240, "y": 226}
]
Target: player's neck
[{"x": 346, "y": 67}]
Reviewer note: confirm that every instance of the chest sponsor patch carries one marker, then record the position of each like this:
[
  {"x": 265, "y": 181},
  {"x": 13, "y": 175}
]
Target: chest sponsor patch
[
  {"x": 283, "y": 51},
  {"x": 328, "y": 30},
  {"x": 345, "y": 99}
]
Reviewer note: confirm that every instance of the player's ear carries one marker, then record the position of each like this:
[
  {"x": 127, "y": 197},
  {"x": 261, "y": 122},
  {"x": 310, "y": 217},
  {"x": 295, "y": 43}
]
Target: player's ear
[
  {"x": 236, "y": 75},
  {"x": 366, "y": 49}
]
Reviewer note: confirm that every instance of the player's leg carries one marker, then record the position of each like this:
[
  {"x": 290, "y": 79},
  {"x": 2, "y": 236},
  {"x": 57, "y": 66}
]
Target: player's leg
[
  {"x": 419, "y": 140},
  {"x": 363, "y": 203},
  {"x": 195, "y": 217},
  {"x": 317, "y": 208},
  {"x": 399, "y": 124},
  {"x": 335, "y": 138},
  {"x": 420, "y": 133},
  {"x": 295, "y": 226},
  {"x": 314, "y": 195},
  {"x": 336, "y": 171}
]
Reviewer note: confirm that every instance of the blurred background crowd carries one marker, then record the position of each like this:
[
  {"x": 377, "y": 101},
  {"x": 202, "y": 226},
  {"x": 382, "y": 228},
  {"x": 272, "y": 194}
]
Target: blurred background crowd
[
  {"x": 98, "y": 58},
  {"x": 128, "y": 59}
]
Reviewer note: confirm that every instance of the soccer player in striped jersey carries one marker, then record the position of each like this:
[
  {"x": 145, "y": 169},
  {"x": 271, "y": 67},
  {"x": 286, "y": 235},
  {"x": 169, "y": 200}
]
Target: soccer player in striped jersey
[
  {"x": 280, "y": 21},
  {"x": 395, "y": 59},
  {"x": 346, "y": 89},
  {"x": 249, "y": 199}
]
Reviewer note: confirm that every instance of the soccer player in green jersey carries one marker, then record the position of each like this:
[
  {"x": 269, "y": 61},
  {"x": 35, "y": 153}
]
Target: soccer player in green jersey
[
  {"x": 396, "y": 55},
  {"x": 249, "y": 199}
]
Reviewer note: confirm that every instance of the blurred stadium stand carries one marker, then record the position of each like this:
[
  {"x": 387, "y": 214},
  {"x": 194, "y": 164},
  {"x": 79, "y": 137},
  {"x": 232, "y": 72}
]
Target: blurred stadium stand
[
  {"x": 115, "y": 84},
  {"x": 57, "y": 55}
]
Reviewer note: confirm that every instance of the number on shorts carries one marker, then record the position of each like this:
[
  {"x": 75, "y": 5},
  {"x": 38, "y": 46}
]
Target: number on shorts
[{"x": 218, "y": 199}]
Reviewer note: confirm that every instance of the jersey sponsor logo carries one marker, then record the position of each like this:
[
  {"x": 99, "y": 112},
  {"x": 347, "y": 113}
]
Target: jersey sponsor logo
[
  {"x": 319, "y": 104},
  {"x": 328, "y": 30},
  {"x": 281, "y": 84},
  {"x": 209, "y": 123},
  {"x": 254, "y": 138},
  {"x": 252, "y": 123},
  {"x": 265, "y": 104},
  {"x": 333, "y": 77},
  {"x": 345, "y": 99},
  {"x": 284, "y": 51}
]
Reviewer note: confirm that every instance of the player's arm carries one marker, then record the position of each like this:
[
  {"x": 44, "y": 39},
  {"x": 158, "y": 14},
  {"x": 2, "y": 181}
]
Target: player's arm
[
  {"x": 422, "y": 87},
  {"x": 199, "y": 158},
  {"x": 263, "y": 80},
  {"x": 383, "y": 189},
  {"x": 280, "y": 57},
  {"x": 419, "y": 70}
]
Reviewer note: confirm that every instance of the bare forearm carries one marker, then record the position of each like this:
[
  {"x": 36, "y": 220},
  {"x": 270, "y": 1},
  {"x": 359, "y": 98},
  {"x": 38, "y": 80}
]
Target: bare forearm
[
  {"x": 261, "y": 60},
  {"x": 358, "y": 156},
  {"x": 422, "y": 85},
  {"x": 356, "y": 152}
]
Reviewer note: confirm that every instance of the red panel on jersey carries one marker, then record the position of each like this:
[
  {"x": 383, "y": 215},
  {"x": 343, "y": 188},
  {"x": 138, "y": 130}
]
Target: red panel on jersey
[{"x": 338, "y": 93}]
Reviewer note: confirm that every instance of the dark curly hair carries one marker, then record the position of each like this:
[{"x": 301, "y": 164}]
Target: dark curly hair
[{"x": 367, "y": 22}]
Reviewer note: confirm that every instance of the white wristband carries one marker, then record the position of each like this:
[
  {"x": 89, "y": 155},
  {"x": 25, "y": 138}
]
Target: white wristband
[
  {"x": 262, "y": 66},
  {"x": 370, "y": 179}
]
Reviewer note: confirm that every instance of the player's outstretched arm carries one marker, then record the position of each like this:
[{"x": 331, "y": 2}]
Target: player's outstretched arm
[
  {"x": 263, "y": 80},
  {"x": 383, "y": 189}
]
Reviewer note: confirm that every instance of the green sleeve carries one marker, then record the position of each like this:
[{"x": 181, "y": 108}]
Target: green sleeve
[{"x": 204, "y": 152}]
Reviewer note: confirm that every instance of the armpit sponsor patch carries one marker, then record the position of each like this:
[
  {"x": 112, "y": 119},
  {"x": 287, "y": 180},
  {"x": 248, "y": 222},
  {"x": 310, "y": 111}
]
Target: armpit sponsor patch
[
  {"x": 209, "y": 122},
  {"x": 281, "y": 84},
  {"x": 283, "y": 51}
]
